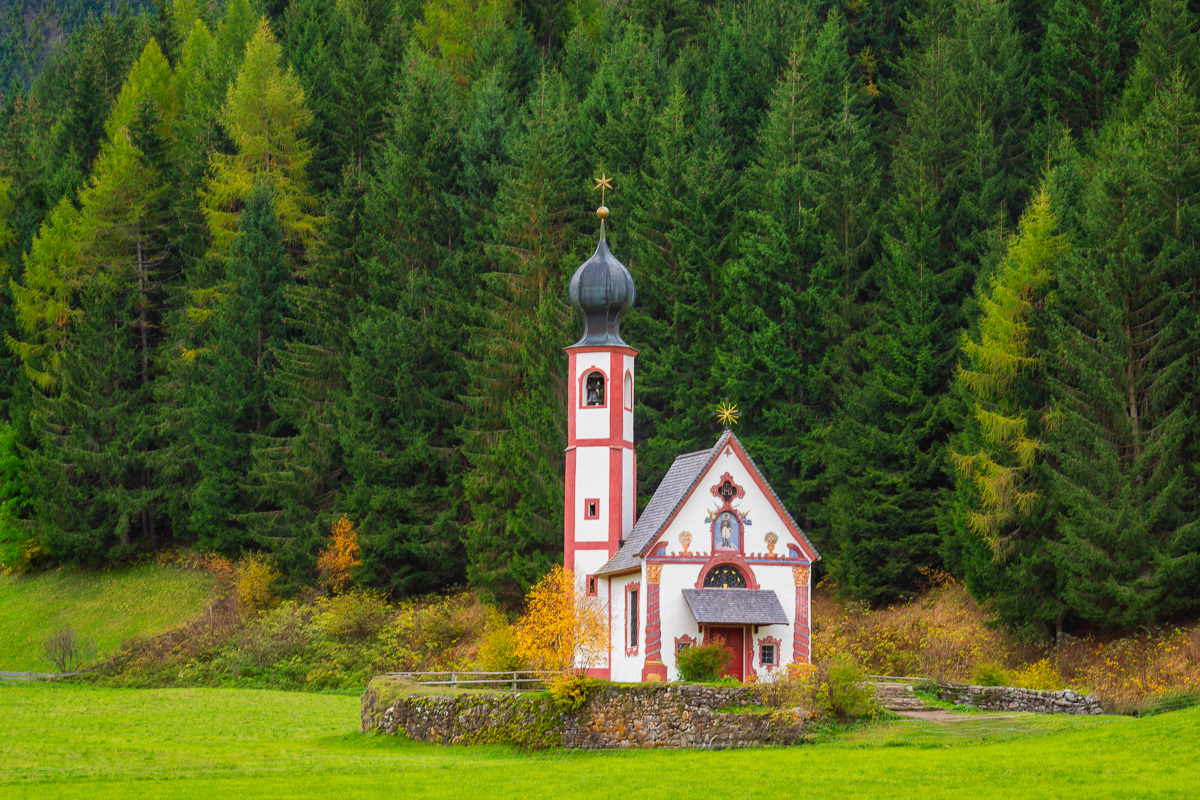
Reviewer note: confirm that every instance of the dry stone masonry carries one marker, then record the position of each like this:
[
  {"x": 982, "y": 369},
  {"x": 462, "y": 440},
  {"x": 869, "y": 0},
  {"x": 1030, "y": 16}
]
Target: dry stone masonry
[
  {"x": 615, "y": 716},
  {"x": 1006, "y": 698}
]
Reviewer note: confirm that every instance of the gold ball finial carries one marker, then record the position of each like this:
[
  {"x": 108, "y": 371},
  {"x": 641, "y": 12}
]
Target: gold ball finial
[{"x": 602, "y": 212}]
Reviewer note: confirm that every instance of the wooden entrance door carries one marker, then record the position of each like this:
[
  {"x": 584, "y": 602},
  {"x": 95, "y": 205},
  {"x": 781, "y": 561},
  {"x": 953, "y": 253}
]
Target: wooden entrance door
[{"x": 736, "y": 644}]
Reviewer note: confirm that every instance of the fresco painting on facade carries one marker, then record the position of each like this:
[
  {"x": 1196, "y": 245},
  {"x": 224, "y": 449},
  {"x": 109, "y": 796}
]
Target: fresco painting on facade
[{"x": 662, "y": 582}]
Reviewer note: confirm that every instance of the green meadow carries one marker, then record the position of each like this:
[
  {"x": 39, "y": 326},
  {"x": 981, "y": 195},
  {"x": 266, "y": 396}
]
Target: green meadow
[
  {"x": 106, "y": 606},
  {"x": 67, "y": 741}
]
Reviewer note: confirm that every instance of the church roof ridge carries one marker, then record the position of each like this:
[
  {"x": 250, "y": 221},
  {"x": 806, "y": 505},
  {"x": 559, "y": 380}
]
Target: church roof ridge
[{"x": 677, "y": 486}]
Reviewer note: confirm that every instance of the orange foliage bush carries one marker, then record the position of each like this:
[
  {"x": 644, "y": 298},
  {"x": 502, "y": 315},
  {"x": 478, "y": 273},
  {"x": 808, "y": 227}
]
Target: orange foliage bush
[
  {"x": 335, "y": 562},
  {"x": 563, "y": 629}
]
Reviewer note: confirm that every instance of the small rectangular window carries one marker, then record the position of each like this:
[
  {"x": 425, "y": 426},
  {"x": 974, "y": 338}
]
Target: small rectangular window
[
  {"x": 633, "y": 618},
  {"x": 766, "y": 655},
  {"x": 679, "y": 648},
  {"x": 591, "y": 585},
  {"x": 591, "y": 508}
]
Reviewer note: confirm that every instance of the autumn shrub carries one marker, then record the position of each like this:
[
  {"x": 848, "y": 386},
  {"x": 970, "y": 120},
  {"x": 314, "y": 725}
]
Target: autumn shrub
[
  {"x": 255, "y": 575},
  {"x": 571, "y": 692},
  {"x": 794, "y": 686},
  {"x": 340, "y": 557},
  {"x": 848, "y": 695},
  {"x": 498, "y": 645},
  {"x": 703, "y": 662},
  {"x": 943, "y": 634},
  {"x": 355, "y": 616},
  {"x": 990, "y": 674},
  {"x": 1038, "y": 675}
]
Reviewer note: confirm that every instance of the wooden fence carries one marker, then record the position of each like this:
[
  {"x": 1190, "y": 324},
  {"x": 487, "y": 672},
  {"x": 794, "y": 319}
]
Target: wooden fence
[
  {"x": 517, "y": 680},
  {"x": 30, "y": 677}
]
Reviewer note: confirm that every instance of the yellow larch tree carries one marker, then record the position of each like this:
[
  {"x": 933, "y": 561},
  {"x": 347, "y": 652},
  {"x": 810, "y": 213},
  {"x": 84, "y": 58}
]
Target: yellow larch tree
[{"x": 563, "y": 629}]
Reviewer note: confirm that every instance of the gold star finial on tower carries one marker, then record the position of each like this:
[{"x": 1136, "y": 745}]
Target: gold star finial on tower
[
  {"x": 727, "y": 414},
  {"x": 602, "y": 183}
]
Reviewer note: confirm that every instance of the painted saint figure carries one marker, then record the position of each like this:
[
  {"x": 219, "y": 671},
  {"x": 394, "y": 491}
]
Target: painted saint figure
[{"x": 726, "y": 531}]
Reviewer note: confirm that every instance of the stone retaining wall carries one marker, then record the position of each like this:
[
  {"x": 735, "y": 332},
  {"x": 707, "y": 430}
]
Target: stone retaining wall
[
  {"x": 615, "y": 716},
  {"x": 1006, "y": 698}
]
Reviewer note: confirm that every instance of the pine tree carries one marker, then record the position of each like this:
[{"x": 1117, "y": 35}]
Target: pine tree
[
  {"x": 1169, "y": 42},
  {"x": 886, "y": 449},
  {"x": 406, "y": 368},
  {"x": 1000, "y": 506},
  {"x": 231, "y": 402},
  {"x": 516, "y": 431},
  {"x": 1122, "y": 479},
  {"x": 1085, "y": 56}
]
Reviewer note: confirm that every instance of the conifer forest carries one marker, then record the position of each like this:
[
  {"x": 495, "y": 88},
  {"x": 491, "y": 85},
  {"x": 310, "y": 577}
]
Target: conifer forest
[{"x": 269, "y": 262}]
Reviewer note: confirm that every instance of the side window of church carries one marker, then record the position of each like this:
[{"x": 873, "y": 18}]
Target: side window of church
[
  {"x": 679, "y": 648},
  {"x": 591, "y": 508},
  {"x": 591, "y": 585},
  {"x": 628, "y": 392},
  {"x": 766, "y": 655},
  {"x": 593, "y": 389},
  {"x": 633, "y": 618}
]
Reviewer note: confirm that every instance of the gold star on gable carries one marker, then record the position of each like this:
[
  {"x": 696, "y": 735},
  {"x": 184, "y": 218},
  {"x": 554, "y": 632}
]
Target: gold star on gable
[
  {"x": 727, "y": 414},
  {"x": 602, "y": 183}
]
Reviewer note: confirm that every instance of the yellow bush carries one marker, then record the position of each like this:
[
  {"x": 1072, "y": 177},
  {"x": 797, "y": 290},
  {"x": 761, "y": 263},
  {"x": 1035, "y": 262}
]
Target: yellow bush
[
  {"x": 254, "y": 578},
  {"x": 1038, "y": 675},
  {"x": 498, "y": 645}
]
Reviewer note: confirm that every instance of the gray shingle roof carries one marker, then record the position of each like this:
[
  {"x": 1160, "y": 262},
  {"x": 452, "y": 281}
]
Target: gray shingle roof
[
  {"x": 735, "y": 606},
  {"x": 676, "y": 487},
  {"x": 680, "y": 479}
]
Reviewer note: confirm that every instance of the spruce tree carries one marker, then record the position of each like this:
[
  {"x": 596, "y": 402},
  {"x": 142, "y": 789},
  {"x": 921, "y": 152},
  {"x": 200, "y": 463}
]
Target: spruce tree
[
  {"x": 406, "y": 369},
  {"x": 1086, "y": 53},
  {"x": 1124, "y": 413},
  {"x": 516, "y": 430},
  {"x": 231, "y": 401}
]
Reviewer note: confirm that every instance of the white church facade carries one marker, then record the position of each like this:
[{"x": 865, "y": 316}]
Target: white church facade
[{"x": 713, "y": 556}]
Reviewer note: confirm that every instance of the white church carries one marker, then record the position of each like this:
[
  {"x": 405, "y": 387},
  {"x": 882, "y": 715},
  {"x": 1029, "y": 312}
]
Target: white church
[{"x": 714, "y": 555}]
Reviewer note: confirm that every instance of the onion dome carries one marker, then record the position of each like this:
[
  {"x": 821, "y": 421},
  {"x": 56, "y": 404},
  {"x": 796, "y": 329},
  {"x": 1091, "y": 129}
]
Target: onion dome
[{"x": 603, "y": 290}]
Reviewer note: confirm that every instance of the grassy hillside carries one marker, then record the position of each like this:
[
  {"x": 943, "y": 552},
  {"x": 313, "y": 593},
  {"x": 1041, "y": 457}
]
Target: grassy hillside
[
  {"x": 185, "y": 743},
  {"x": 107, "y": 607}
]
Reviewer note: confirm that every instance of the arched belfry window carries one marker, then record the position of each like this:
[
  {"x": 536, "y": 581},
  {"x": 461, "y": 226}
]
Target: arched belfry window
[
  {"x": 593, "y": 388},
  {"x": 724, "y": 576},
  {"x": 628, "y": 392}
]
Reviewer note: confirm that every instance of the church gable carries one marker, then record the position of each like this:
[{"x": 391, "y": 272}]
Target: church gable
[{"x": 730, "y": 509}]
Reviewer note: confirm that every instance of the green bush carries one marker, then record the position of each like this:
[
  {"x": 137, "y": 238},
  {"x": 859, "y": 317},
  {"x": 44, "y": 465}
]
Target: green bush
[
  {"x": 703, "y": 663},
  {"x": 990, "y": 675},
  {"x": 355, "y": 616},
  {"x": 849, "y": 696},
  {"x": 570, "y": 692}
]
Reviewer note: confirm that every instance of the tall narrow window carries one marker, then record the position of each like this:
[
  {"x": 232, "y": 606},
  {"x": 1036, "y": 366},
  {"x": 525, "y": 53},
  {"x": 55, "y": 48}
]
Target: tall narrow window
[
  {"x": 591, "y": 508},
  {"x": 628, "y": 391},
  {"x": 593, "y": 388},
  {"x": 633, "y": 618}
]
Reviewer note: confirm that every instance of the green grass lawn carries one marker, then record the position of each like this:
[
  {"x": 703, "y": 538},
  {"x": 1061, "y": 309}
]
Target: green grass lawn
[
  {"x": 107, "y": 606},
  {"x": 74, "y": 741}
]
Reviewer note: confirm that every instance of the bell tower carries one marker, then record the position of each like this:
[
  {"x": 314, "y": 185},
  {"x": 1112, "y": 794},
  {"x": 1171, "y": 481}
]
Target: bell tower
[{"x": 601, "y": 474}]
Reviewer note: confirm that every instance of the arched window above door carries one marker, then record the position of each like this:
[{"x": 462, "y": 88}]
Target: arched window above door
[{"x": 724, "y": 576}]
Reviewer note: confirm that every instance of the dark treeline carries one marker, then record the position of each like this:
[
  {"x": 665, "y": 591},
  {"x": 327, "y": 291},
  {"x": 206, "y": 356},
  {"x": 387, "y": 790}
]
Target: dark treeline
[{"x": 267, "y": 263}]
